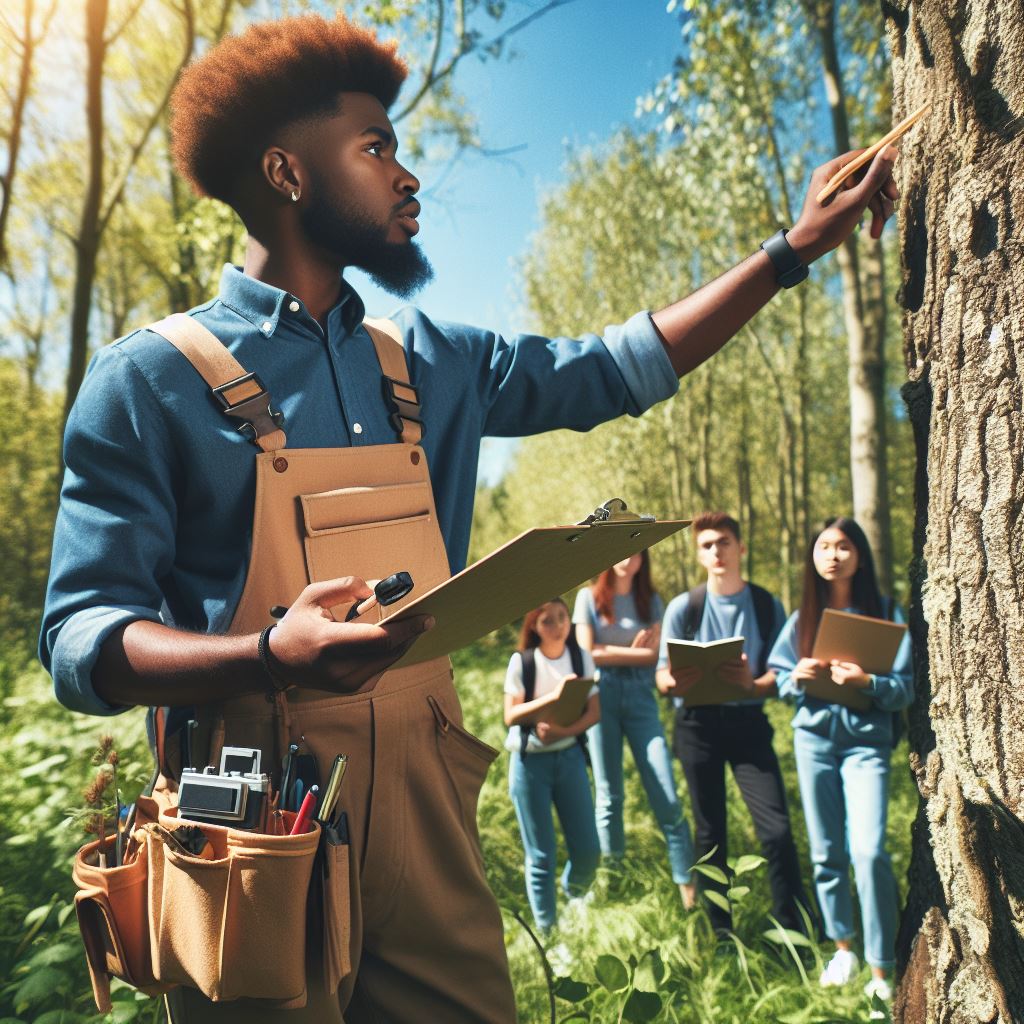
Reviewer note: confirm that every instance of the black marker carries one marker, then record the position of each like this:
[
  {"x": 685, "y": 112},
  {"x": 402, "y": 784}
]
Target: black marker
[{"x": 386, "y": 592}]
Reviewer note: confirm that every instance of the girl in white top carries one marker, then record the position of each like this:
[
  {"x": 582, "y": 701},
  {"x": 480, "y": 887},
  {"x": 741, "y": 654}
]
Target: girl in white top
[{"x": 551, "y": 771}]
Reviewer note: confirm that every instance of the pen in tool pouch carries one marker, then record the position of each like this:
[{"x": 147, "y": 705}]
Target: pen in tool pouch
[
  {"x": 330, "y": 799},
  {"x": 305, "y": 812},
  {"x": 287, "y": 767}
]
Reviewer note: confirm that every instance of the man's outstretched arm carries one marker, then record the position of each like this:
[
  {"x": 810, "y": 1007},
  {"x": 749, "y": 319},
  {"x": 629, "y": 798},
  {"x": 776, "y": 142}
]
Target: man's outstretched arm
[{"x": 696, "y": 327}]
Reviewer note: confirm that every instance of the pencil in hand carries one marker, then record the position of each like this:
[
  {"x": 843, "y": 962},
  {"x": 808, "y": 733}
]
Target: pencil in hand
[{"x": 835, "y": 182}]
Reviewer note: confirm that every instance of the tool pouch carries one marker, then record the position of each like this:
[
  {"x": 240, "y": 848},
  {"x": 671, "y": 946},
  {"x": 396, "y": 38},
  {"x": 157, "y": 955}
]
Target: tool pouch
[
  {"x": 335, "y": 904},
  {"x": 112, "y": 914},
  {"x": 235, "y": 924}
]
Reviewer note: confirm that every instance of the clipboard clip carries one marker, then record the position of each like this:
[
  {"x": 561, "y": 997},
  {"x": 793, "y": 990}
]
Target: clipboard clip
[{"x": 614, "y": 511}]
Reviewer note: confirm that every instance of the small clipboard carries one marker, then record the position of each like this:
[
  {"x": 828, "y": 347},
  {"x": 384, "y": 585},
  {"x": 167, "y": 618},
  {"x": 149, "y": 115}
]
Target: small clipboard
[{"x": 533, "y": 568}]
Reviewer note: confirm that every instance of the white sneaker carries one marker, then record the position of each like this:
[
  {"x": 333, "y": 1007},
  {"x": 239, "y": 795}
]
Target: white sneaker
[
  {"x": 879, "y": 987},
  {"x": 840, "y": 969}
]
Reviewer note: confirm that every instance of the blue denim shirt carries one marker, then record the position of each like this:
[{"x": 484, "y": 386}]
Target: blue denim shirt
[
  {"x": 873, "y": 727},
  {"x": 155, "y": 519}
]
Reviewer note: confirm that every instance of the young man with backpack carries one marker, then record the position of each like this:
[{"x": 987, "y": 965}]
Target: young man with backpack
[{"x": 736, "y": 733}]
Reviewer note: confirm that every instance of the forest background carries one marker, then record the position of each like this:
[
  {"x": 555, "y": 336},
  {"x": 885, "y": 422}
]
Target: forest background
[{"x": 799, "y": 418}]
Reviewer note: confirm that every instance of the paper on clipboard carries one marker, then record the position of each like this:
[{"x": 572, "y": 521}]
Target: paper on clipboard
[{"x": 529, "y": 570}]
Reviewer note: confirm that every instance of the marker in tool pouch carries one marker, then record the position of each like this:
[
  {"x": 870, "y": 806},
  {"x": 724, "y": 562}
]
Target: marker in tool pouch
[{"x": 386, "y": 592}]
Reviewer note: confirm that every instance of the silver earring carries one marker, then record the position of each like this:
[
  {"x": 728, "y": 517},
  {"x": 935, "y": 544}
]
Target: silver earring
[{"x": 295, "y": 195}]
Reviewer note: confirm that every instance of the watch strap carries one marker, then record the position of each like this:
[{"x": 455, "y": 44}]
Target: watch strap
[{"x": 789, "y": 271}]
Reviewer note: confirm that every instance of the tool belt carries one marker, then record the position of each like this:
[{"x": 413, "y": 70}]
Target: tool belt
[{"x": 231, "y": 921}]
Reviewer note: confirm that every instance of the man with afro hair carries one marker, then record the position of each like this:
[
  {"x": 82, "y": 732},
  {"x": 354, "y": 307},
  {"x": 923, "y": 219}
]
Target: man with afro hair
[{"x": 161, "y": 592}]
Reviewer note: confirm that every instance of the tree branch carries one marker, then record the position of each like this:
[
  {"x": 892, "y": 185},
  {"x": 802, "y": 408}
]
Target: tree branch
[
  {"x": 140, "y": 144},
  {"x": 128, "y": 19},
  {"x": 430, "y": 81}
]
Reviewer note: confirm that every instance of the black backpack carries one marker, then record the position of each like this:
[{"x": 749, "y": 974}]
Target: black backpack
[
  {"x": 764, "y": 613},
  {"x": 528, "y": 658}
]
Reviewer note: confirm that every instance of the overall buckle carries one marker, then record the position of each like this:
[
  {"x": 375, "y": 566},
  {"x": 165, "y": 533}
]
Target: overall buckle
[
  {"x": 400, "y": 406},
  {"x": 253, "y": 409}
]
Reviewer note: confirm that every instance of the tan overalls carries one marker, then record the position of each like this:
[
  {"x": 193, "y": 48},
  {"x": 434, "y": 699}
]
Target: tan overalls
[{"x": 426, "y": 934}]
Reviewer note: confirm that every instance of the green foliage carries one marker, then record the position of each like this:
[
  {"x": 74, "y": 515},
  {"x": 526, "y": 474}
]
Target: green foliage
[
  {"x": 635, "y": 945},
  {"x": 46, "y": 761}
]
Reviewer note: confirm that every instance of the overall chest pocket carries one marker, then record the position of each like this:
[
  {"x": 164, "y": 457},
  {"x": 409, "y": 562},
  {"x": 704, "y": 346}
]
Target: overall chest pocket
[{"x": 371, "y": 532}]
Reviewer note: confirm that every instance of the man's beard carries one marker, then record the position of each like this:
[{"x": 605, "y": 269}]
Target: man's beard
[{"x": 398, "y": 267}]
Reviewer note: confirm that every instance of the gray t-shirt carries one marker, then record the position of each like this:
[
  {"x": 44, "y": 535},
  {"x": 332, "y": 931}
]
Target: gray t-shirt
[
  {"x": 725, "y": 615},
  {"x": 620, "y": 632}
]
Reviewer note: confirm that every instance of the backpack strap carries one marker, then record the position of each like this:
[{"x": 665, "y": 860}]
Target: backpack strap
[
  {"x": 241, "y": 395},
  {"x": 694, "y": 614},
  {"x": 575, "y": 656},
  {"x": 400, "y": 395},
  {"x": 764, "y": 613},
  {"x": 529, "y": 662}
]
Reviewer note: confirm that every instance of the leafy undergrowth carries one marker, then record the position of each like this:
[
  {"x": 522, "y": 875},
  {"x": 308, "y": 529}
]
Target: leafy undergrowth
[{"x": 630, "y": 954}]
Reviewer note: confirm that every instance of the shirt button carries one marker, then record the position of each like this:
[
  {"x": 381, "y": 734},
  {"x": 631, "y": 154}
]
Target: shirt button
[
  {"x": 293, "y": 306},
  {"x": 357, "y": 428},
  {"x": 267, "y": 326}
]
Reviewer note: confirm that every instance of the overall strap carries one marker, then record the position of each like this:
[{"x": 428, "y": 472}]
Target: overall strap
[
  {"x": 241, "y": 395},
  {"x": 401, "y": 396}
]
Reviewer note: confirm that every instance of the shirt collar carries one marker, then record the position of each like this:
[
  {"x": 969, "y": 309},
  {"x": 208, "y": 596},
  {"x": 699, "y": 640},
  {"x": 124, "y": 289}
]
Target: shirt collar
[{"x": 262, "y": 304}]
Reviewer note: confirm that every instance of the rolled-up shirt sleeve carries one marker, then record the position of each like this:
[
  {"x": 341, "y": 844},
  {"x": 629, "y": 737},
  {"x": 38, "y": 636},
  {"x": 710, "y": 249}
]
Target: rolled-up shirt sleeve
[
  {"x": 114, "y": 535},
  {"x": 529, "y": 384}
]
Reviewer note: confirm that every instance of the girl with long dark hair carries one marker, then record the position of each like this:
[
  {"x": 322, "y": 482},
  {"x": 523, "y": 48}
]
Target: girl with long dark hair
[
  {"x": 843, "y": 755},
  {"x": 547, "y": 765},
  {"x": 618, "y": 619}
]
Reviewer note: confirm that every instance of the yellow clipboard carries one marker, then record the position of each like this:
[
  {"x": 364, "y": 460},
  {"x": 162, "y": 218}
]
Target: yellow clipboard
[
  {"x": 871, "y": 643},
  {"x": 566, "y": 704},
  {"x": 538, "y": 565}
]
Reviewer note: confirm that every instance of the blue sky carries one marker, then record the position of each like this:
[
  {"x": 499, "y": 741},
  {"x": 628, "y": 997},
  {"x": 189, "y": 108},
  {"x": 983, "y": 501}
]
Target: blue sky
[{"x": 579, "y": 72}]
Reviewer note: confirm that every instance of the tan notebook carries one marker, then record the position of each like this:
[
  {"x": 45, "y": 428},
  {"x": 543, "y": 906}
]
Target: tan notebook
[
  {"x": 710, "y": 688},
  {"x": 565, "y": 704},
  {"x": 871, "y": 643},
  {"x": 533, "y": 568}
]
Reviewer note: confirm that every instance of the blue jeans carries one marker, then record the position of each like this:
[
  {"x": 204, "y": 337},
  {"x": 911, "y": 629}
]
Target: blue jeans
[
  {"x": 845, "y": 793},
  {"x": 557, "y": 778},
  {"x": 629, "y": 710}
]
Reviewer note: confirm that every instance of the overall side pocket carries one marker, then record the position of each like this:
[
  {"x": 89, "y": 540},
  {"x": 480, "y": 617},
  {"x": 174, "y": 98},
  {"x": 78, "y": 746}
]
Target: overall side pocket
[
  {"x": 336, "y": 907},
  {"x": 466, "y": 760}
]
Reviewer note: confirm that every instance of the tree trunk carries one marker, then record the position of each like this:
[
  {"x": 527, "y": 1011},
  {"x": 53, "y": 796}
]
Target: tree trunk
[
  {"x": 866, "y": 377},
  {"x": 87, "y": 240},
  {"x": 961, "y": 944},
  {"x": 27, "y": 43}
]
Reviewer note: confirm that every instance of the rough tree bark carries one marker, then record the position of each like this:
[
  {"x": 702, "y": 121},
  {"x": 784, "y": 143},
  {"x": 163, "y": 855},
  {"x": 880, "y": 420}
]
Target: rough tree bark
[{"x": 961, "y": 945}]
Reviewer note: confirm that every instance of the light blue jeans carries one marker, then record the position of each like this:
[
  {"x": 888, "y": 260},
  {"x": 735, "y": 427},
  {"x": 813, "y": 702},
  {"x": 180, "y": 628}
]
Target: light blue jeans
[
  {"x": 629, "y": 710},
  {"x": 845, "y": 793},
  {"x": 537, "y": 783}
]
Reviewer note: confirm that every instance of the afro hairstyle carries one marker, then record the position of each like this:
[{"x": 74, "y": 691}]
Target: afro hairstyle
[{"x": 228, "y": 104}]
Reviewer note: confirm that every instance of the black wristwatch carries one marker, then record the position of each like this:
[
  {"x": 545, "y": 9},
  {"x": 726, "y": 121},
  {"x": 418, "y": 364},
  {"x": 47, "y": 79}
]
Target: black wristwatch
[{"x": 789, "y": 271}]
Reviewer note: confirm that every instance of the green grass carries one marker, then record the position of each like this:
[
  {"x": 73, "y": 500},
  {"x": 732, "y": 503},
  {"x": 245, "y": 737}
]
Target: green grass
[
  {"x": 637, "y": 916},
  {"x": 636, "y": 954}
]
